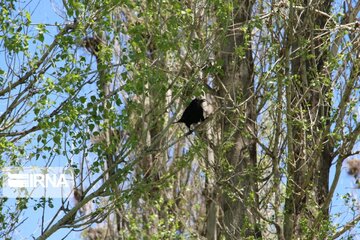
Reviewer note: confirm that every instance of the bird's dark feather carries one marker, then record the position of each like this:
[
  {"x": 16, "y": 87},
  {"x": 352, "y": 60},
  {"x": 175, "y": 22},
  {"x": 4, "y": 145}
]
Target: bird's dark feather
[{"x": 194, "y": 113}]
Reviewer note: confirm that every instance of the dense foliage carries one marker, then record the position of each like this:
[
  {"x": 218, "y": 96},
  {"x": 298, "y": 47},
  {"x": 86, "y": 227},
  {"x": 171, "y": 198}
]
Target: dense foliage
[{"x": 100, "y": 89}]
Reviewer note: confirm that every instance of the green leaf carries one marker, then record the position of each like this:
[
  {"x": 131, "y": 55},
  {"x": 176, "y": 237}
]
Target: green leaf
[
  {"x": 36, "y": 111},
  {"x": 82, "y": 99},
  {"x": 57, "y": 139}
]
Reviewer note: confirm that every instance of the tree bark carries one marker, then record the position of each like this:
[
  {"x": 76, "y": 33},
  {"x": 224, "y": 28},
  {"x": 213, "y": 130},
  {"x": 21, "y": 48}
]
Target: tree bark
[
  {"x": 308, "y": 106},
  {"x": 236, "y": 87}
]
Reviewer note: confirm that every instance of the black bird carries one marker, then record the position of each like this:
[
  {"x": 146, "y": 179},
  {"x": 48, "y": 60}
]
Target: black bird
[{"x": 194, "y": 113}]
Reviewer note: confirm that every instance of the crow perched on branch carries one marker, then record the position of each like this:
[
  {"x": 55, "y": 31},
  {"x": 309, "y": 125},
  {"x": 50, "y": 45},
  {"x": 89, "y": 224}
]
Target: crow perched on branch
[{"x": 194, "y": 113}]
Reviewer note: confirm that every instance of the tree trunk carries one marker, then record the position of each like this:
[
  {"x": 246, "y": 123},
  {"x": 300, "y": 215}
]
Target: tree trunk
[
  {"x": 307, "y": 107},
  {"x": 236, "y": 85}
]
